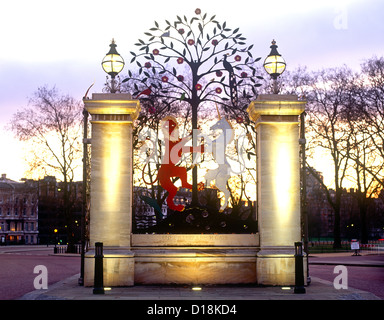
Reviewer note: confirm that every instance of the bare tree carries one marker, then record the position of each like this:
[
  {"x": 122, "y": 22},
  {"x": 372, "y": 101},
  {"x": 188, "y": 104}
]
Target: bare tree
[
  {"x": 327, "y": 102},
  {"x": 368, "y": 103},
  {"x": 52, "y": 125},
  {"x": 365, "y": 118}
]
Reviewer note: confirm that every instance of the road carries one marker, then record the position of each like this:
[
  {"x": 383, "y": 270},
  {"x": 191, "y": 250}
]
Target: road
[
  {"x": 365, "y": 272},
  {"x": 18, "y": 262}
]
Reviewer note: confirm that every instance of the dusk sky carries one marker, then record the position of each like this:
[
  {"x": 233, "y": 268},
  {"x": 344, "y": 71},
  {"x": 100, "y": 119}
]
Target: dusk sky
[{"x": 62, "y": 43}]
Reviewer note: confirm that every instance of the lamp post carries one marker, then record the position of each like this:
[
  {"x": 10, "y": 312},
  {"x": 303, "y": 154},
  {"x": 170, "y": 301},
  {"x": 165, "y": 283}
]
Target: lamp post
[
  {"x": 274, "y": 65},
  {"x": 84, "y": 195},
  {"x": 112, "y": 64}
]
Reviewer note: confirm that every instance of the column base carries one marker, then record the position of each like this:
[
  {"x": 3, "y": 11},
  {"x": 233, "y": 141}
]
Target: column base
[
  {"x": 276, "y": 266},
  {"x": 118, "y": 264}
]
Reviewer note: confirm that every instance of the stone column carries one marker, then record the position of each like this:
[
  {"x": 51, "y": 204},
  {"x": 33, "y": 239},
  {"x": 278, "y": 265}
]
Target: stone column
[
  {"x": 112, "y": 116},
  {"x": 278, "y": 177}
]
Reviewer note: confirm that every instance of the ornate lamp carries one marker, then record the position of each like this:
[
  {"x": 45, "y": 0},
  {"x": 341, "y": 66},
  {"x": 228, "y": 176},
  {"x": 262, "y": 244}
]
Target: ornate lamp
[
  {"x": 112, "y": 64},
  {"x": 274, "y": 65}
]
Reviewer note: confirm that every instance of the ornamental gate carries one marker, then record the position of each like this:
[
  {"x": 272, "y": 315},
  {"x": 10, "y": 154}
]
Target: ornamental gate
[{"x": 155, "y": 232}]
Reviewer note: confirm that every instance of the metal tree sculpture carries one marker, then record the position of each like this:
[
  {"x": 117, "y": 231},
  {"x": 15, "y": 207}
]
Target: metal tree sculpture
[{"x": 195, "y": 60}]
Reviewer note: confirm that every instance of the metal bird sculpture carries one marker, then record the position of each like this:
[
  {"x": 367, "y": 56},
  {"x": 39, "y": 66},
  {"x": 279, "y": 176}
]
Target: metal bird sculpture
[
  {"x": 146, "y": 92},
  {"x": 232, "y": 81},
  {"x": 153, "y": 203},
  {"x": 166, "y": 34},
  {"x": 182, "y": 97},
  {"x": 86, "y": 94}
]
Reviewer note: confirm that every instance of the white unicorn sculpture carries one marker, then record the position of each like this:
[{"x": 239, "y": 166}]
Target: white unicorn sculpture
[{"x": 223, "y": 172}]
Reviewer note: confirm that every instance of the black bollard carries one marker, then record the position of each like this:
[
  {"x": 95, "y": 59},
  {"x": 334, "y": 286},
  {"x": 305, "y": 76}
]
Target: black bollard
[
  {"x": 299, "y": 268},
  {"x": 98, "y": 284}
]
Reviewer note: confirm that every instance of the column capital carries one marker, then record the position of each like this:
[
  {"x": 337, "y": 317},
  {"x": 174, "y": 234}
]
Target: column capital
[
  {"x": 268, "y": 105},
  {"x": 112, "y": 107}
]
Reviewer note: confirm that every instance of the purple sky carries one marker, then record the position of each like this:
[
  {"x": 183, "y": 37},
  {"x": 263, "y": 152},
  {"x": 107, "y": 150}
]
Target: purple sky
[{"x": 62, "y": 43}]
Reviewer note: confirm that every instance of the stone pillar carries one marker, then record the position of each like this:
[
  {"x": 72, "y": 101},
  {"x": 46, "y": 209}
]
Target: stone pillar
[
  {"x": 112, "y": 116},
  {"x": 278, "y": 177}
]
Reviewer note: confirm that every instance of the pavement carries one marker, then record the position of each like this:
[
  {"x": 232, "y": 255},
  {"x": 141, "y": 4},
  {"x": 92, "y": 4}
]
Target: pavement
[{"x": 318, "y": 289}]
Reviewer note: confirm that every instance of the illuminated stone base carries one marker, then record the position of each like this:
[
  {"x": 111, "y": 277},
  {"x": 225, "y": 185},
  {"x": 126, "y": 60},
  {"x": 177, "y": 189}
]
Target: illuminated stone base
[
  {"x": 195, "y": 258},
  {"x": 195, "y": 265},
  {"x": 179, "y": 259},
  {"x": 276, "y": 267},
  {"x": 118, "y": 268},
  {"x": 241, "y": 263}
]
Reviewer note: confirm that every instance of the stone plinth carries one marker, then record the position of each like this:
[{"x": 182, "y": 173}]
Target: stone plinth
[
  {"x": 195, "y": 258},
  {"x": 111, "y": 185},
  {"x": 278, "y": 176},
  {"x": 195, "y": 265}
]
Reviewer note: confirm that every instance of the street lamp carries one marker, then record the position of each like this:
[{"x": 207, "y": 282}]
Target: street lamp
[
  {"x": 112, "y": 64},
  {"x": 274, "y": 65}
]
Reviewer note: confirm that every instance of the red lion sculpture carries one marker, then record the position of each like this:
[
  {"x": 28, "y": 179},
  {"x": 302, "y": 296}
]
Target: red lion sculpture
[{"x": 174, "y": 147}]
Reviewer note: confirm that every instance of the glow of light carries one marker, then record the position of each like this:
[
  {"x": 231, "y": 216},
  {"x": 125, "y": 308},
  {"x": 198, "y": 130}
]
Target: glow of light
[
  {"x": 283, "y": 178},
  {"x": 196, "y": 288},
  {"x": 283, "y": 181},
  {"x": 111, "y": 171}
]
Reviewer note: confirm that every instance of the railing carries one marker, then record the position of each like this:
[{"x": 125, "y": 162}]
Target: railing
[
  {"x": 376, "y": 247},
  {"x": 63, "y": 249},
  {"x": 326, "y": 246}
]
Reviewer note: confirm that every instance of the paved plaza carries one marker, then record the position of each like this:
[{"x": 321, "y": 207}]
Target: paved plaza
[{"x": 318, "y": 289}]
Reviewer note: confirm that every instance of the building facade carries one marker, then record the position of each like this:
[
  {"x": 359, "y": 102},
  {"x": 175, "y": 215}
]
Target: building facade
[
  {"x": 18, "y": 212},
  {"x": 321, "y": 215},
  {"x": 54, "y": 225}
]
